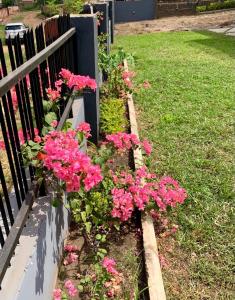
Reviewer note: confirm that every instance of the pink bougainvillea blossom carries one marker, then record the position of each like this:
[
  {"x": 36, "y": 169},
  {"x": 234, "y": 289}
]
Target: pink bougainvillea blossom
[
  {"x": 72, "y": 291},
  {"x": 14, "y": 99},
  {"x": 71, "y": 248},
  {"x": 54, "y": 123},
  {"x": 123, "y": 204},
  {"x": 147, "y": 147},
  {"x": 53, "y": 95},
  {"x": 146, "y": 84},
  {"x": 2, "y": 145},
  {"x": 77, "y": 82},
  {"x": 128, "y": 74},
  {"x": 123, "y": 141},
  {"x": 65, "y": 74},
  {"x": 70, "y": 258},
  {"x": 109, "y": 264},
  {"x": 68, "y": 163},
  {"x": 85, "y": 128},
  {"x": 141, "y": 188},
  {"x": 57, "y": 294}
]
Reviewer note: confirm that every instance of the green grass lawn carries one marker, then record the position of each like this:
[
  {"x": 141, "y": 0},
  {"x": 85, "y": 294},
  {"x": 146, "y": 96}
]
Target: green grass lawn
[{"x": 188, "y": 114}]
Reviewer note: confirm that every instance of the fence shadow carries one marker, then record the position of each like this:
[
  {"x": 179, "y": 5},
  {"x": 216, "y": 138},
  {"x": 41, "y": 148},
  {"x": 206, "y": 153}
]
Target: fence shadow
[{"x": 216, "y": 42}]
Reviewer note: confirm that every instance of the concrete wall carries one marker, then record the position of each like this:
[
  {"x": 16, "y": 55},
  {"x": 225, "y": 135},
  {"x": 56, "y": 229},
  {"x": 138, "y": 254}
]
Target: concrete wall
[{"x": 33, "y": 271}]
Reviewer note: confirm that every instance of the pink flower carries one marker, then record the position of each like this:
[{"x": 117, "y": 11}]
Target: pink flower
[
  {"x": 85, "y": 128},
  {"x": 53, "y": 94},
  {"x": 54, "y": 123},
  {"x": 146, "y": 84},
  {"x": 65, "y": 74},
  {"x": 2, "y": 145},
  {"x": 93, "y": 177},
  {"x": 70, "y": 258},
  {"x": 147, "y": 147},
  {"x": 68, "y": 163},
  {"x": 71, "y": 288},
  {"x": 123, "y": 204},
  {"x": 109, "y": 264},
  {"x": 37, "y": 139},
  {"x": 72, "y": 292},
  {"x": 70, "y": 248},
  {"x": 21, "y": 136},
  {"x": 110, "y": 293},
  {"x": 57, "y": 294},
  {"x": 78, "y": 82},
  {"x": 123, "y": 141},
  {"x": 128, "y": 74},
  {"x": 14, "y": 99},
  {"x": 68, "y": 284},
  {"x": 58, "y": 85}
]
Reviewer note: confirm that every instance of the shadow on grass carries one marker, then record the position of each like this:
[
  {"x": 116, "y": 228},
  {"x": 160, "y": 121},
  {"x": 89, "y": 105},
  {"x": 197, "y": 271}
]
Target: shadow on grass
[{"x": 215, "y": 41}]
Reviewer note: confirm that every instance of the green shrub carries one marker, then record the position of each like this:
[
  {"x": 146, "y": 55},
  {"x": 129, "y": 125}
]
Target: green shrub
[
  {"x": 30, "y": 6},
  {"x": 73, "y": 6},
  {"x": 51, "y": 8},
  {"x": 113, "y": 116},
  {"x": 7, "y": 3},
  {"x": 216, "y": 6}
]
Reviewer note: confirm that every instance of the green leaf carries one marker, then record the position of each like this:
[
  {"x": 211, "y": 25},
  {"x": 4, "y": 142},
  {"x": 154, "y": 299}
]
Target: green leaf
[
  {"x": 51, "y": 116},
  {"x": 83, "y": 216},
  {"x": 88, "y": 209},
  {"x": 103, "y": 239},
  {"x": 88, "y": 226},
  {"x": 80, "y": 287},
  {"x": 98, "y": 237},
  {"x": 102, "y": 250}
]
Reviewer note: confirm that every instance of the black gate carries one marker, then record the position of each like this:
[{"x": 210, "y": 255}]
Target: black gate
[{"x": 134, "y": 10}]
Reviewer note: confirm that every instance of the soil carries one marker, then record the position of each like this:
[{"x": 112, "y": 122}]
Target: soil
[
  {"x": 195, "y": 22},
  {"x": 30, "y": 18}
]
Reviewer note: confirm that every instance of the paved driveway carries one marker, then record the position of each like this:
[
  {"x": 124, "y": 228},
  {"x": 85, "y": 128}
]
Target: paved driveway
[{"x": 227, "y": 30}]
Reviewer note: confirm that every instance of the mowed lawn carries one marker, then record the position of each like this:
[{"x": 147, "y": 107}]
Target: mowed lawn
[{"x": 188, "y": 115}]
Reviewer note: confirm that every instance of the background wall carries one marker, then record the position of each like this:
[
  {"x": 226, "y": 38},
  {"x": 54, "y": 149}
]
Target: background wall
[{"x": 178, "y": 7}]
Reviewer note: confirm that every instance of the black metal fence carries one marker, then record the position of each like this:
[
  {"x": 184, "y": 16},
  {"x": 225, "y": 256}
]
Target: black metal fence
[{"x": 35, "y": 62}]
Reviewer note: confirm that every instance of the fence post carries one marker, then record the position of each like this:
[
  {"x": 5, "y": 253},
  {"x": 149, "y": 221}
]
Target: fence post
[
  {"x": 111, "y": 18},
  {"x": 104, "y": 24},
  {"x": 86, "y": 60}
]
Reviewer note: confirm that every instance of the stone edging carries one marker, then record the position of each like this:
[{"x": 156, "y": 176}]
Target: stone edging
[{"x": 152, "y": 263}]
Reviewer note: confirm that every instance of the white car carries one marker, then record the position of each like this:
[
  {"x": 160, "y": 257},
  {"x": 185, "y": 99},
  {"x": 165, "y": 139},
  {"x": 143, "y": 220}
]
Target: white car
[{"x": 12, "y": 29}]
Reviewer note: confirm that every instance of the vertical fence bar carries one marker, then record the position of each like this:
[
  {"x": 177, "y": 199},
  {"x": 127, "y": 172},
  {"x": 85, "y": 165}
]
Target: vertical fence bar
[{"x": 112, "y": 18}]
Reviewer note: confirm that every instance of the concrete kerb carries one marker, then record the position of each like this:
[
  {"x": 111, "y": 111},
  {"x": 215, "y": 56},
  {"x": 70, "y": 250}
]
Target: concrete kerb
[{"x": 152, "y": 263}]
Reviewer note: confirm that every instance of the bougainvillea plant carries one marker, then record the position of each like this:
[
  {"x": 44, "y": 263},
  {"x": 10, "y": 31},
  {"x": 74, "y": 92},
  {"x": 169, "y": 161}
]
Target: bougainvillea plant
[{"x": 101, "y": 194}]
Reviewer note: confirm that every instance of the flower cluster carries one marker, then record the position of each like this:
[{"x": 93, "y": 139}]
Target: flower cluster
[
  {"x": 125, "y": 141},
  {"x": 109, "y": 264},
  {"x": 113, "y": 285},
  {"x": 77, "y": 82},
  {"x": 63, "y": 158},
  {"x": 71, "y": 255},
  {"x": 72, "y": 291},
  {"x": 85, "y": 128},
  {"x": 141, "y": 189},
  {"x": 127, "y": 78}
]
